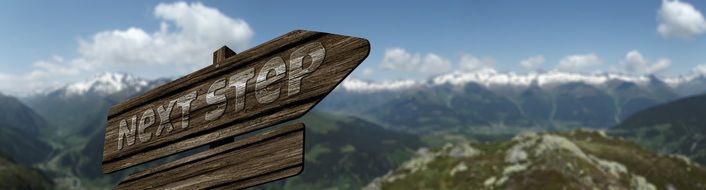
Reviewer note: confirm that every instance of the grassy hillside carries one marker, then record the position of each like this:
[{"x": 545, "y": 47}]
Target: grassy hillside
[
  {"x": 15, "y": 176},
  {"x": 20, "y": 132},
  {"x": 568, "y": 160},
  {"x": 345, "y": 152},
  {"x": 675, "y": 127}
]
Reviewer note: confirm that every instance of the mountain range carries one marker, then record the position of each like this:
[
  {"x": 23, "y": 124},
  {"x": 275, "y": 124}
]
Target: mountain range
[
  {"x": 21, "y": 130},
  {"x": 363, "y": 129},
  {"x": 688, "y": 84},
  {"x": 92, "y": 98},
  {"x": 551, "y": 100}
]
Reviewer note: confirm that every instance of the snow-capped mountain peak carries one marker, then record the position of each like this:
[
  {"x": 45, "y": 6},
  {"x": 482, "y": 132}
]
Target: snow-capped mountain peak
[
  {"x": 358, "y": 85},
  {"x": 547, "y": 79},
  {"x": 543, "y": 79},
  {"x": 106, "y": 83}
]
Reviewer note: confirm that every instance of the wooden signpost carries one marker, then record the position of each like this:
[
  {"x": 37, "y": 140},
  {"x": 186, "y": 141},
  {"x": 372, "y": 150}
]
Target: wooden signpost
[{"x": 272, "y": 83}]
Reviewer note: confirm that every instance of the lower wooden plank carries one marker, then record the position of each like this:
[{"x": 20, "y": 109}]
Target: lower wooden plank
[
  {"x": 289, "y": 172},
  {"x": 265, "y": 157}
]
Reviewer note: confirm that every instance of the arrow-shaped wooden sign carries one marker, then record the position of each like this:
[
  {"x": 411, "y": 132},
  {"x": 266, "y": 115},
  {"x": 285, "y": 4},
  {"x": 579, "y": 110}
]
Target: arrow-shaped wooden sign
[{"x": 274, "y": 82}]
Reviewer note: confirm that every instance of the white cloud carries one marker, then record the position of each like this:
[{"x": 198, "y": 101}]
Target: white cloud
[
  {"x": 55, "y": 66},
  {"x": 700, "y": 69},
  {"x": 185, "y": 41},
  {"x": 573, "y": 63},
  {"x": 634, "y": 62},
  {"x": 23, "y": 84},
  {"x": 199, "y": 31},
  {"x": 368, "y": 72},
  {"x": 679, "y": 20},
  {"x": 471, "y": 63},
  {"x": 400, "y": 59},
  {"x": 531, "y": 63},
  {"x": 36, "y": 79}
]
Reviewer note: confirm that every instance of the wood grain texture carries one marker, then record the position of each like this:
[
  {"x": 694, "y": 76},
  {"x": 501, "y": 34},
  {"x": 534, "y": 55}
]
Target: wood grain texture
[
  {"x": 281, "y": 174},
  {"x": 222, "y": 54},
  {"x": 265, "y": 157},
  {"x": 219, "y": 56},
  {"x": 343, "y": 54}
]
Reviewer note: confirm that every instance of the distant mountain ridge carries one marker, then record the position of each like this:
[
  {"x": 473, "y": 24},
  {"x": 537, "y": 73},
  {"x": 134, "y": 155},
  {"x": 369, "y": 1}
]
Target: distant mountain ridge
[
  {"x": 101, "y": 84},
  {"x": 78, "y": 111},
  {"x": 21, "y": 130},
  {"x": 688, "y": 84},
  {"x": 684, "y": 85},
  {"x": 552, "y": 100},
  {"x": 106, "y": 83},
  {"x": 418, "y": 108},
  {"x": 14, "y": 114},
  {"x": 92, "y": 97}
]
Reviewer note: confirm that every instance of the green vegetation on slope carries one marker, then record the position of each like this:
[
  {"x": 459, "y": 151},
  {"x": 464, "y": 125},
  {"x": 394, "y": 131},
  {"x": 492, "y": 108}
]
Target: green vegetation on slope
[
  {"x": 676, "y": 127},
  {"x": 568, "y": 160},
  {"x": 347, "y": 152},
  {"x": 15, "y": 176},
  {"x": 20, "y": 130}
]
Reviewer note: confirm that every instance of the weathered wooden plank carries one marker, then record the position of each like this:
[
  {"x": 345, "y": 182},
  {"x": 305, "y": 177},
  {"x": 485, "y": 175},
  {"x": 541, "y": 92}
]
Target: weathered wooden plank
[
  {"x": 242, "y": 111},
  {"x": 262, "y": 179},
  {"x": 269, "y": 156}
]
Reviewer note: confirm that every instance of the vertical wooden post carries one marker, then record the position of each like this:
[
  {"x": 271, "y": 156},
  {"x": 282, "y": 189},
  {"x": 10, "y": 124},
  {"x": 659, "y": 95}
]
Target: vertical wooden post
[{"x": 219, "y": 56}]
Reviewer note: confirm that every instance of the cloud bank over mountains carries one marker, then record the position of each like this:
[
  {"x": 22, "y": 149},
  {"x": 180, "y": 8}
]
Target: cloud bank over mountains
[
  {"x": 187, "y": 36},
  {"x": 431, "y": 64},
  {"x": 189, "y": 32},
  {"x": 542, "y": 79},
  {"x": 635, "y": 63}
]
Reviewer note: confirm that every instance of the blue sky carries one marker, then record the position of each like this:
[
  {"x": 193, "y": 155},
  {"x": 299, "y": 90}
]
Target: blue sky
[{"x": 42, "y": 41}]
